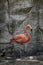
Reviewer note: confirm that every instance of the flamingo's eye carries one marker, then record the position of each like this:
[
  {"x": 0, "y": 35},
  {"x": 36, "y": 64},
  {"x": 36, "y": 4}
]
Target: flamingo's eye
[{"x": 27, "y": 27}]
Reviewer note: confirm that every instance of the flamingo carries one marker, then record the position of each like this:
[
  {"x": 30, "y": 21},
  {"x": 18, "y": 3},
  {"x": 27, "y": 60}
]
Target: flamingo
[{"x": 22, "y": 38}]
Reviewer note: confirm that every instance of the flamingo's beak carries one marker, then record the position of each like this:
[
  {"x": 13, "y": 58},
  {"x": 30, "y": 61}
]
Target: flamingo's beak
[{"x": 31, "y": 29}]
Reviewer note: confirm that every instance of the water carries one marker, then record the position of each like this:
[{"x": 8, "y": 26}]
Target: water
[{"x": 22, "y": 62}]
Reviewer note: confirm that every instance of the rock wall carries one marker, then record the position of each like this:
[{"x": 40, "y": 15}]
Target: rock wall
[{"x": 21, "y": 13}]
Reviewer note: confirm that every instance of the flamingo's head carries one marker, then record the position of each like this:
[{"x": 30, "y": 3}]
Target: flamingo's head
[{"x": 29, "y": 27}]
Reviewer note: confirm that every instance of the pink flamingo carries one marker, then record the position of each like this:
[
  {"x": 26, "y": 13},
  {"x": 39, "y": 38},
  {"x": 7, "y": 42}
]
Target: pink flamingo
[{"x": 21, "y": 38}]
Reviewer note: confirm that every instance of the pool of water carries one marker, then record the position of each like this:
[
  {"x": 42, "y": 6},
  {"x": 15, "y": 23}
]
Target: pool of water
[{"x": 21, "y": 62}]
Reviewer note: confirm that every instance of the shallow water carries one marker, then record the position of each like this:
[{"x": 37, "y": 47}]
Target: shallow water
[{"x": 21, "y": 62}]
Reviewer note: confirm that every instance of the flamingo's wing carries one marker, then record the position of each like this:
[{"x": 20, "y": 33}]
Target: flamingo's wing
[{"x": 20, "y": 38}]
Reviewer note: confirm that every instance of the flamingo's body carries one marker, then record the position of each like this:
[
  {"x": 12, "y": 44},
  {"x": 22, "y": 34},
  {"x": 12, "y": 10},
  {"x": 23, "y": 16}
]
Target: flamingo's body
[{"x": 21, "y": 38}]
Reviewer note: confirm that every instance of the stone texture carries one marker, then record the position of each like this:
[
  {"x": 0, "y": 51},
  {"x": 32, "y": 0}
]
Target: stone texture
[{"x": 24, "y": 8}]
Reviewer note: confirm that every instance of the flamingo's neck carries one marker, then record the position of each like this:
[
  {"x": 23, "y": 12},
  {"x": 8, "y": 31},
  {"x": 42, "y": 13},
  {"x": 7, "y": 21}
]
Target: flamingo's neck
[{"x": 27, "y": 33}]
